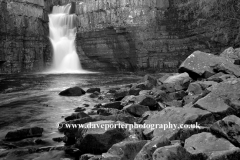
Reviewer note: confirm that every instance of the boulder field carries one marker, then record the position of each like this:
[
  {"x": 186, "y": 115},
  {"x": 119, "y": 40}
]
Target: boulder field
[{"x": 193, "y": 114}]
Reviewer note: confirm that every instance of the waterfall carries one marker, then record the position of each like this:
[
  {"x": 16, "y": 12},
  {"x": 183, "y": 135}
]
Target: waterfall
[{"x": 63, "y": 31}]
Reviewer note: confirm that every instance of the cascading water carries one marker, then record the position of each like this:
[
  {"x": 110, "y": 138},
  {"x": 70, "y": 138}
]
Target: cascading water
[{"x": 62, "y": 36}]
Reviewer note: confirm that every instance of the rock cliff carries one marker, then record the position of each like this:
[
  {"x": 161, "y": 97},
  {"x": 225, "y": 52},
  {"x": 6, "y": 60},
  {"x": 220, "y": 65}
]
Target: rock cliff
[{"x": 112, "y": 34}]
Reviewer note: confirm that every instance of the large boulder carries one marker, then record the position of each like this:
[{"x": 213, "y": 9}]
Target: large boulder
[
  {"x": 229, "y": 128},
  {"x": 136, "y": 109},
  {"x": 172, "y": 152},
  {"x": 126, "y": 150},
  {"x": 98, "y": 139},
  {"x": 200, "y": 64},
  {"x": 218, "y": 101},
  {"x": 74, "y": 91},
  {"x": 168, "y": 121},
  {"x": 148, "y": 149},
  {"x": 24, "y": 133},
  {"x": 208, "y": 146}
]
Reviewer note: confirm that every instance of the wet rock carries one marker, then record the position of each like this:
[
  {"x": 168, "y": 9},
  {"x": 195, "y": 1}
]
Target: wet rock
[
  {"x": 120, "y": 94},
  {"x": 136, "y": 109},
  {"x": 148, "y": 149},
  {"x": 77, "y": 115},
  {"x": 24, "y": 133},
  {"x": 80, "y": 109},
  {"x": 108, "y": 111},
  {"x": 218, "y": 100},
  {"x": 90, "y": 157},
  {"x": 75, "y": 91},
  {"x": 114, "y": 105},
  {"x": 126, "y": 150},
  {"x": 172, "y": 152},
  {"x": 208, "y": 146},
  {"x": 94, "y": 95},
  {"x": 98, "y": 140},
  {"x": 229, "y": 128},
  {"x": 134, "y": 91},
  {"x": 200, "y": 63},
  {"x": 92, "y": 90},
  {"x": 177, "y": 116}
]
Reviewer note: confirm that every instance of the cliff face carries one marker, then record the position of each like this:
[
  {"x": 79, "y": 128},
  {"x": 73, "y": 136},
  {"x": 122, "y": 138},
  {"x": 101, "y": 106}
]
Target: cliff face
[
  {"x": 134, "y": 34},
  {"x": 24, "y": 45},
  {"x": 112, "y": 34}
]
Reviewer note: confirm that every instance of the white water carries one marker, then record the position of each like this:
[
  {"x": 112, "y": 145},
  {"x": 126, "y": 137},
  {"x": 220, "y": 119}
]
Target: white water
[{"x": 62, "y": 36}]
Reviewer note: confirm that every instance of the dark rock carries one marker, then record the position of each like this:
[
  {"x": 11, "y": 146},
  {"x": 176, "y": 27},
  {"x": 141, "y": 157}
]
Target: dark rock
[
  {"x": 208, "y": 146},
  {"x": 220, "y": 77},
  {"x": 148, "y": 149},
  {"x": 126, "y": 150},
  {"x": 75, "y": 91},
  {"x": 120, "y": 94},
  {"x": 99, "y": 140},
  {"x": 172, "y": 152},
  {"x": 114, "y": 105},
  {"x": 144, "y": 100},
  {"x": 229, "y": 128},
  {"x": 92, "y": 90},
  {"x": 136, "y": 109},
  {"x": 58, "y": 139},
  {"x": 24, "y": 133},
  {"x": 126, "y": 118},
  {"x": 199, "y": 62},
  {"x": 108, "y": 111},
  {"x": 90, "y": 157},
  {"x": 134, "y": 91},
  {"x": 79, "y": 109},
  {"x": 94, "y": 95},
  {"x": 77, "y": 115},
  {"x": 178, "y": 116}
]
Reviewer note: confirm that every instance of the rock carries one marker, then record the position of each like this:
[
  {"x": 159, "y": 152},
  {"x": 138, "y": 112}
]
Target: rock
[
  {"x": 92, "y": 90},
  {"x": 126, "y": 150},
  {"x": 114, "y": 105},
  {"x": 195, "y": 88},
  {"x": 75, "y": 91},
  {"x": 229, "y": 128},
  {"x": 148, "y": 149},
  {"x": 180, "y": 81},
  {"x": 77, "y": 115},
  {"x": 79, "y": 109},
  {"x": 221, "y": 94},
  {"x": 173, "y": 152},
  {"x": 152, "y": 80},
  {"x": 134, "y": 91},
  {"x": 208, "y": 146},
  {"x": 136, "y": 109},
  {"x": 177, "y": 116},
  {"x": 99, "y": 140},
  {"x": 200, "y": 63},
  {"x": 94, "y": 95},
  {"x": 231, "y": 54},
  {"x": 58, "y": 139},
  {"x": 220, "y": 77},
  {"x": 24, "y": 133},
  {"x": 126, "y": 118},
  {"x": 108, "y": 111},
  {"x": 174, "y": 103},
  {"x": 120, "y": 94},
  {"x": 90, "y": 157},
  {"x": 145, "y": 101},
  {"x": 127, "y": 100}
]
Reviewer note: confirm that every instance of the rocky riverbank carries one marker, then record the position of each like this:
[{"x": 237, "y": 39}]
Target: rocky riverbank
[{"x": 203, "y": 96}]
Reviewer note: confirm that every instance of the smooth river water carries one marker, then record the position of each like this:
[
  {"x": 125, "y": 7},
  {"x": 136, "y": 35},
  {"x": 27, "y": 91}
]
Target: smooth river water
[{"x": 29, "y": 100}]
